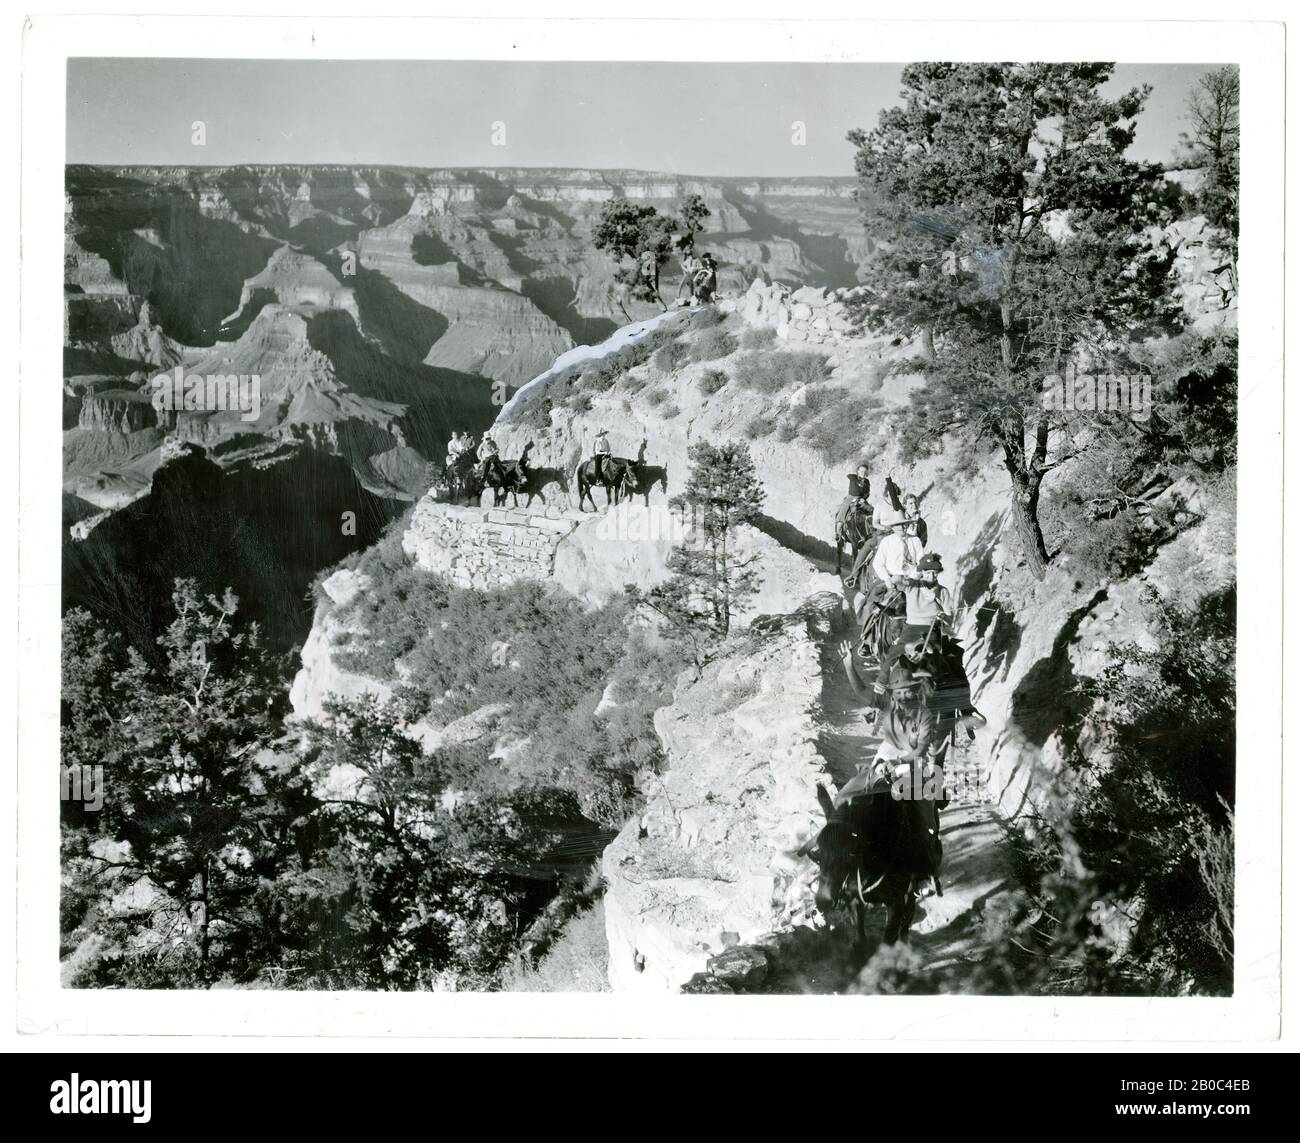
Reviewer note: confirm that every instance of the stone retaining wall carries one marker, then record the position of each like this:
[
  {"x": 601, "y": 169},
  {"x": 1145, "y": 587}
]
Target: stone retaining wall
[{"x": 485, "y": 547}]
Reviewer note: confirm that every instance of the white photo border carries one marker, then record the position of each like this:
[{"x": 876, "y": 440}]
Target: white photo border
[{"x": 1251, "y": 1014}]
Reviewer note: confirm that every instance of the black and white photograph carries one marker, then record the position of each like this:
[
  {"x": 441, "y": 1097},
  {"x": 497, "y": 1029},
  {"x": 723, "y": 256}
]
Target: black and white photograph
[{"x": 657, "y": 527}]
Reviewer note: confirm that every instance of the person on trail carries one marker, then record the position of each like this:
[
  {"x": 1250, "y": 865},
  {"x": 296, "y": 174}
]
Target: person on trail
[
  {"x": 686, "y": 287},
  {"x": 453, "y": 448},
  {"x": 602, "y": 453},
  {"x": 648, "y": 269},
  {"x": 860, "y": 482},
  {"x": 706, "y": 280}
]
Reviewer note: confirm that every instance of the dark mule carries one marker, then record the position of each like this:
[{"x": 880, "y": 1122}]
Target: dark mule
[
  {"x": 644, "y": 477},
  {"x": 512, "y": 477},
  {"x": 884, "y": 620},
  {"x": 615, "y": 476},
  {"x": 873, "y": 850},
  {"x": 532, "y": 480},
  {"x": 852, "y": 527},
  {"x": 462, "y": 478}
]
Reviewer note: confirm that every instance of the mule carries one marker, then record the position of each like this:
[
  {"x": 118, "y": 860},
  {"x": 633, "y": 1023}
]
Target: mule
[
  {"x": 852, "y": 527},
  {"x": 511, "y": 477},
  {"x": 873, "y": 850},
  {"x": 616, "y": 476},
  {"x": 462, "y": 478}
]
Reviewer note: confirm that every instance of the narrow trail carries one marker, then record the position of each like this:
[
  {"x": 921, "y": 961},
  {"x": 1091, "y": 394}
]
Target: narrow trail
[{"x": 948, "y": 931}]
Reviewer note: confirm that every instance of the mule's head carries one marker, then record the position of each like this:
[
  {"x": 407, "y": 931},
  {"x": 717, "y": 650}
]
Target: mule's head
[{"x": 837, "y": 851}]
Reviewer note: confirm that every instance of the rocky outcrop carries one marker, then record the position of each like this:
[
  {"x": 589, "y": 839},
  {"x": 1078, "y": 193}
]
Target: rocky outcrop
[
  {"x": 147, "y": 342},
  {"x": 117, "y": 410},
  {"x": 808, "y": 314},
  {"x": 296, "y": 279},
  {"x": 711, "y": 861},
  {"x": 320, "y": 676},
  {"x": 478, "y": 327}
]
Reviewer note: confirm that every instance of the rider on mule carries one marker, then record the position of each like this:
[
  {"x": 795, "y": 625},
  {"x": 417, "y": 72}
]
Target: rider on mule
[
  {"x": 907, "y": 765},
  {"x": 853, "y": 523},
  {"x": 489, "y": 459},
  {"x": 929, "y": 608},
  {"x": 601, "y": 453}
]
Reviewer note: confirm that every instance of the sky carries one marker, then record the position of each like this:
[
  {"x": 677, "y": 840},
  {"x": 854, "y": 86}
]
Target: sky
[{"x": 723, "y": 119}]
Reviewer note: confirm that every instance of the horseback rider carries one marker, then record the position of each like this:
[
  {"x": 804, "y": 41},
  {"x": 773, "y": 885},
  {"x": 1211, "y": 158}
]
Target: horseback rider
[
  {"x": 489, "y": 458},
  {"x": 912, "y": 510},
  {"x": 457, "y": 446},
  {"x": 910, "y": 754},
  {"x": 929, "y": 615},
  {"x": 898, "y": 554},
  {"x": 602, "y": 453},
  {"x": 853, "y": 524}
]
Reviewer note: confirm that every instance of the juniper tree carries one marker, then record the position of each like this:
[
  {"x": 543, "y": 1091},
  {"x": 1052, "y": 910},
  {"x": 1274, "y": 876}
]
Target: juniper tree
[
  {"x": 635, "y": 231},
  {"x": 709, "y": 579},
  {"x": 1012, "y": 234},
  {"x": 692, "y": 212}
]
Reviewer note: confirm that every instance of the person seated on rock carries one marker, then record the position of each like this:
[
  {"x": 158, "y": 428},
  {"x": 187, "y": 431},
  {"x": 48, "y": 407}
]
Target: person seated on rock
[
  {"x": 686, "y": 287},
  {"x": 706, "y": 280}
]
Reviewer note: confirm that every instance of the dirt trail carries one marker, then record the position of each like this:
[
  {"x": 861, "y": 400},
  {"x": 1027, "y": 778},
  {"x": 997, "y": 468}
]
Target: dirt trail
[{"x": 948, "y": 930}]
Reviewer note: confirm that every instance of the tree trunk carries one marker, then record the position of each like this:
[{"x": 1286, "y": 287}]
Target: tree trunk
[
  {"x": 1024, "y": 510},
  {"x": 927, "y": 343}
]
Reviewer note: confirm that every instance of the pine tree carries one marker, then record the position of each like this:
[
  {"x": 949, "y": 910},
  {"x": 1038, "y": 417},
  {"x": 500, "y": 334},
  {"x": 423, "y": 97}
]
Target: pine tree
[
  {"x": 708, "y": 578},
  {"x": 1014, "y": 243},
  {"x": 199, "y": 813},
  {"x": 1213, "y": 147}
]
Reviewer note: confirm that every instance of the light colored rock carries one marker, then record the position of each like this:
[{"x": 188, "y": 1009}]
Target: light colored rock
[{"x": 710, "y": 853}]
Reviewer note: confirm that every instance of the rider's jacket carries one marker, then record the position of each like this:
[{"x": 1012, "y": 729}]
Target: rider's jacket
[
  {"x": 897, "y": 555},
  {"x": 926, "y": 603},
  {"x": 602, "y": 446}
]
